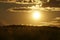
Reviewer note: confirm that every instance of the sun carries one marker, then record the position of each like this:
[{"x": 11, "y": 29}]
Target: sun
[{"x": 36, "y": 15}]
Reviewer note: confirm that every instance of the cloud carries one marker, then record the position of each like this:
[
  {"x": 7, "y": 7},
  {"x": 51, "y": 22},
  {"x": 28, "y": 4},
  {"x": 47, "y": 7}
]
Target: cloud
[
  {"x": 55, "y": 22},
  {"x": 57, "y": 18},
  {"x": 51, "y": 23}
]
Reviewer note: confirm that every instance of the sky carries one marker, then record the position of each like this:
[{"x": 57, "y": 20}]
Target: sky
[{"x": 11, "y": 17}]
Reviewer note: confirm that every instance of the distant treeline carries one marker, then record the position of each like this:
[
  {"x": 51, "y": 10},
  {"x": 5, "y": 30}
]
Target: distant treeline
[{"x": 24, "y": 32}]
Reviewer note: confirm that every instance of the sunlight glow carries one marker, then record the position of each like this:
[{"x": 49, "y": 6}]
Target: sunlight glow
[{"x": 36, "y": 15}]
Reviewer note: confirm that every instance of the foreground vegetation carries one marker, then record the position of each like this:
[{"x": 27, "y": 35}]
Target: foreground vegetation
[{"x": 23, "y": 32}]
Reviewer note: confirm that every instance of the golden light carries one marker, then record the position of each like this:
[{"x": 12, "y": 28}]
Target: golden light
[
  {"x": 33, "y": 7},
  {"x": 36, "y": 15}
]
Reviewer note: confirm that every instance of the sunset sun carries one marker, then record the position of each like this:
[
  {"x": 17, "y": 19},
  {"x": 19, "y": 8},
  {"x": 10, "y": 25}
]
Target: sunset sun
[{"x": 36, "y": 15}]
